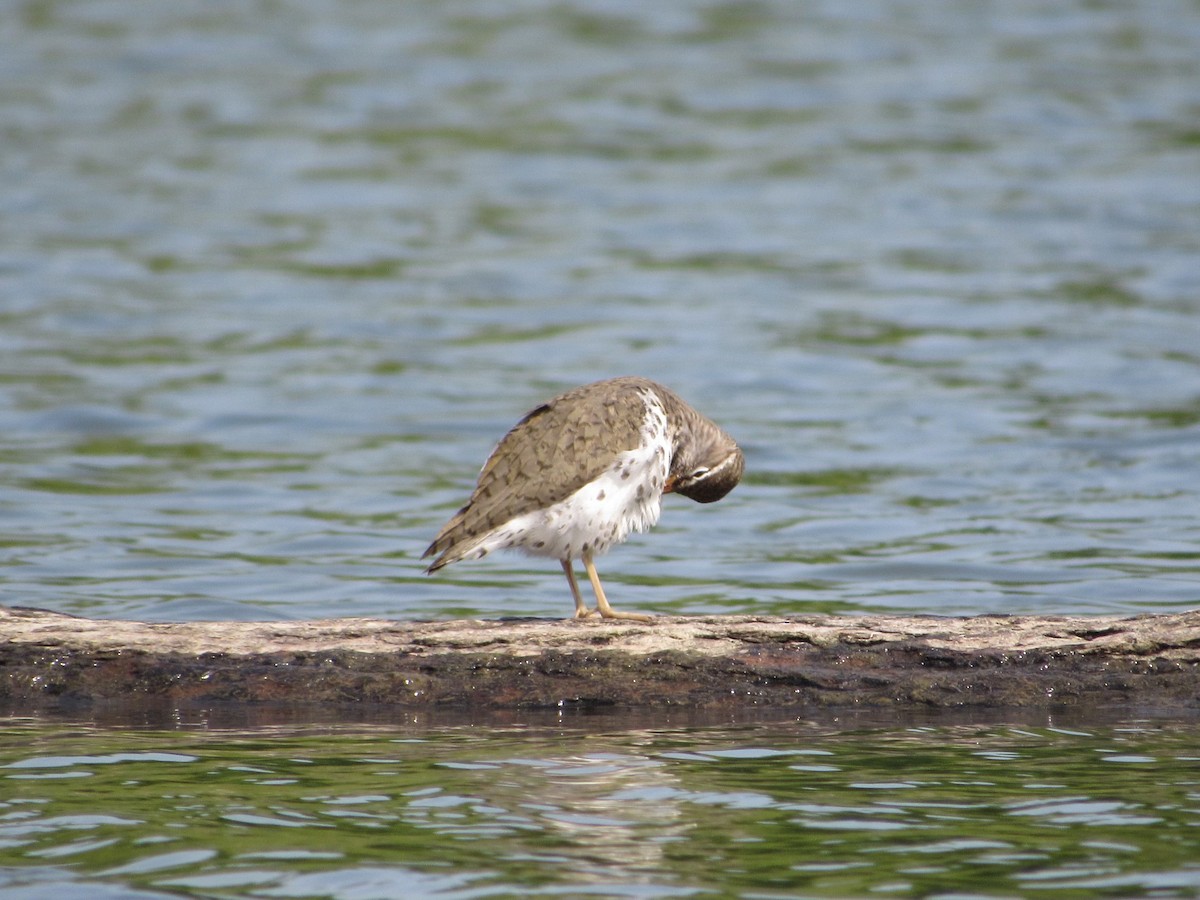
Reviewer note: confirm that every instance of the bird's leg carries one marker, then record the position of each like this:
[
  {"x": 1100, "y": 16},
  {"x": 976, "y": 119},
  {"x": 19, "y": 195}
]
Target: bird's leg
[
  {"x": 581, "y": 610},
  {"x": 602, "y": 602}
]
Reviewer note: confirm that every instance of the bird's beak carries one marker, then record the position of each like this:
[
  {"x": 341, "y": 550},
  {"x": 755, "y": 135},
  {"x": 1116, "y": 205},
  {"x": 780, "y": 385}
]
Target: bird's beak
[{"x": 669, "y": 487}]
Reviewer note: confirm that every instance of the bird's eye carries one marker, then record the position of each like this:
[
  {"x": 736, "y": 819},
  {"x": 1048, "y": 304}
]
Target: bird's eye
[{"x": 698, "y": 472}]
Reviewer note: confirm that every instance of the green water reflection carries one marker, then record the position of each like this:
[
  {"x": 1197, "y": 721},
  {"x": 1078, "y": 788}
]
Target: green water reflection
[{"x": 779, "y": 810}]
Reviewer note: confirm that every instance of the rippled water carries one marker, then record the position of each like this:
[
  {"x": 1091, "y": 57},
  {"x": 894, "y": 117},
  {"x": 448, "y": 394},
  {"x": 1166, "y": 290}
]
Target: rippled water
[
  {"x": 765, "y": 811},
  {"x": 273, "y": 279}
]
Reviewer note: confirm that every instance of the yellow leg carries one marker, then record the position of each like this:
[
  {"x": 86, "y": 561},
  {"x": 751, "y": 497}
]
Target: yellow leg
[
  {"x": 602, "y": 602},
  {"x": 581, "y": 610}
]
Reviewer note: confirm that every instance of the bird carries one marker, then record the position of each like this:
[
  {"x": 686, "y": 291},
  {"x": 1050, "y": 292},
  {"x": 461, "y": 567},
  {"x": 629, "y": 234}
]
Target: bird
[{"x": 580, "y": 472}]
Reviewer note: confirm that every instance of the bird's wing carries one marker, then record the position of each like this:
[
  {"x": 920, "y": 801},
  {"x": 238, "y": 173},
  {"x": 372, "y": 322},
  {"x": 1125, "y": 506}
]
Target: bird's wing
[{"x": 551, "y": 453}]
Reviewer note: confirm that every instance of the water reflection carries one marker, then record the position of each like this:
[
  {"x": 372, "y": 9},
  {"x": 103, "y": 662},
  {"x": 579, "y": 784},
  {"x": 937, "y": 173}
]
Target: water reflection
[{"x": 789, "y": 809}]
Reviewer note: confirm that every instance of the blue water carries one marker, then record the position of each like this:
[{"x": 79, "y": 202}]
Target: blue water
[{"x": 274, "y": 280}]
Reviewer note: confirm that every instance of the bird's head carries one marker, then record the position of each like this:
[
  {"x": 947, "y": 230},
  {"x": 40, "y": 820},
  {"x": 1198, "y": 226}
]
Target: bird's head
[{"x": 705, "y": 469}]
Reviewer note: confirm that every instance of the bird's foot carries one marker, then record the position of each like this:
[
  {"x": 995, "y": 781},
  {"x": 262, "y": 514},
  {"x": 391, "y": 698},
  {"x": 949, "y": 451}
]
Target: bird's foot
[{"x": 611, "y": 613}]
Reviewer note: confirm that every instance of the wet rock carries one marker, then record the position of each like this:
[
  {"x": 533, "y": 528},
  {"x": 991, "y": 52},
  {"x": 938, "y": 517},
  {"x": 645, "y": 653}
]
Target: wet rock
[{"x": 49, "y": 659}]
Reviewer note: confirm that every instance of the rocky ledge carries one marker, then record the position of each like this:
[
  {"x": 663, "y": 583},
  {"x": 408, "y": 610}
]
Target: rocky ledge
[{"x": 49, "y": 660}]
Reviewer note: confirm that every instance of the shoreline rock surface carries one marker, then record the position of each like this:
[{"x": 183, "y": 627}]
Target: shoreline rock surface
[{"x": 49, "y": 660}]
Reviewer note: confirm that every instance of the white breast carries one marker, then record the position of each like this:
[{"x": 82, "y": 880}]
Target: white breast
[{"x": 626, "y": 498}]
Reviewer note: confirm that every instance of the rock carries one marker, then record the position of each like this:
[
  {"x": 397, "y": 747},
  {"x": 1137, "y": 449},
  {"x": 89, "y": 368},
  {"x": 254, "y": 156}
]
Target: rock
[{"x": 49, "y": 660}]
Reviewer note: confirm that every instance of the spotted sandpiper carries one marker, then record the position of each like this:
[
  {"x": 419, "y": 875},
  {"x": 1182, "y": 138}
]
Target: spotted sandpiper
[{"x": 583, "y": 470}]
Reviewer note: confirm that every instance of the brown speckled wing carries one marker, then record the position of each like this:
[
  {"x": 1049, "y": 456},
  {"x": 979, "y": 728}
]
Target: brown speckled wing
[{"x": 553, "y": 451}]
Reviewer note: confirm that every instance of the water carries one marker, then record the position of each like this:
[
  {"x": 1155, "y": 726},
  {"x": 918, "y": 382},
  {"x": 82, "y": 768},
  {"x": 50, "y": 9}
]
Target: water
[
  {"x": 274, "y": 277},
  {"x": 572, "y": 809}
]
